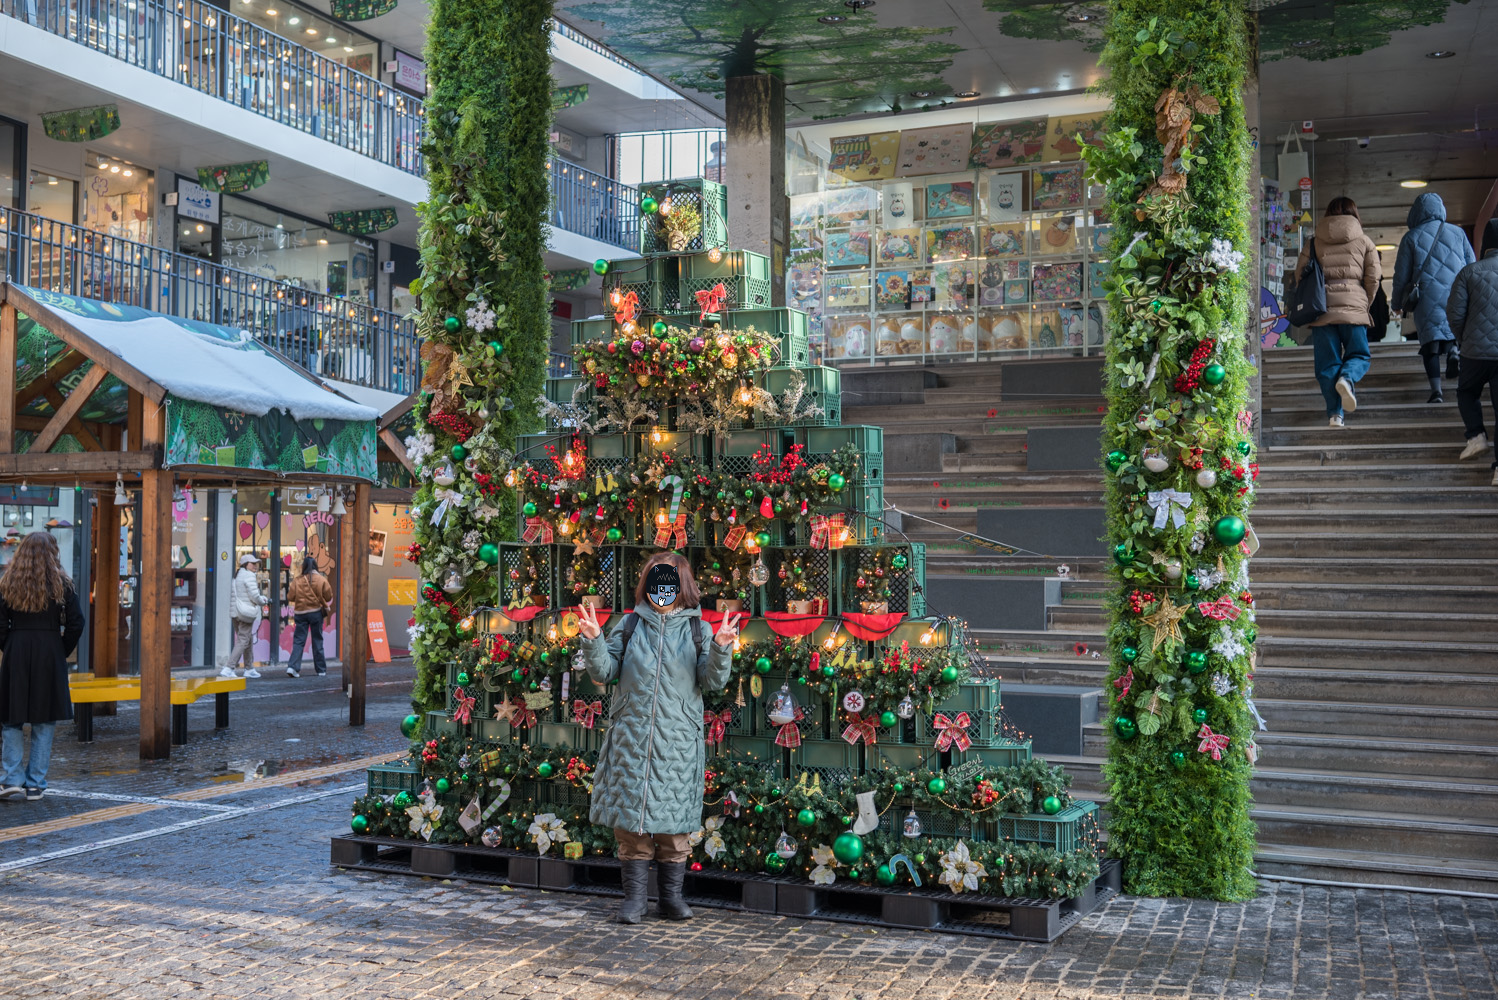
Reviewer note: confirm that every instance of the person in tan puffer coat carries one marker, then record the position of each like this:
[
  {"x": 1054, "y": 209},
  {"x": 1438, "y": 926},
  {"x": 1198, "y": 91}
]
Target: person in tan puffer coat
[{"x": 1340, "y": 335}]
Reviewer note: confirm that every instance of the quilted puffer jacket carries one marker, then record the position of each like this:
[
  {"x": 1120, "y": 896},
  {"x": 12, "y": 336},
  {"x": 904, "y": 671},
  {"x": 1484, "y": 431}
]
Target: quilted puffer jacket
[
  {"x": 1439, "y": 251},
  {"x": 1473, "y": 305},
  {"x": 649, "y": 774}
]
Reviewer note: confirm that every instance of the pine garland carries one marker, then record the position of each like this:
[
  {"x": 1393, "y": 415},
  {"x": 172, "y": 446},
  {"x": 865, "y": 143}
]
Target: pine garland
[
  {"x": 483, "y": 315},
  {"x": 1175, "y": 162}
]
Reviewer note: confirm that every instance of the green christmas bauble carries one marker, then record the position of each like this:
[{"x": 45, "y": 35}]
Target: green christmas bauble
[
  {"x": 403, "y": 800},
  {"x": 649, "y": 205},
  {"x": 1195, "y": 661},
  {"x": 774, "y": 863},
  {"x": 1244, "y": 447},
  {"x": 1214, "y": 374},
  {"x": 600, "y": 266},
  {"x": 899, "y": 787},
  {"x": 1051, "y": 806},
  {"x": 462, "y": 677},
  {"x": 900, "y": 560},
  {"x": 452, "y": 324},
  {"x": 1199, "y": 716},
  {"x": 359, "y": 823},
  {"x": 1129, "y": 653},
  {"x": 829, "y": 671},
  {"x": 836, "y": 481},
  {"x": 1123, "y": 553},
  {"x": 658, "y": 328},
  {"x": 764, "y": 664},
  {"x": 884, "y": 875},
  {"x": 1116, "y": 459},
  {"x": 443, "y": 784},
  {"x": 762, "y": 537},
  {"x": 459, "y": 452},
  {"x": 544, "y": 769},
  {"x": 888, "y": 719},
  {"x": 1178, "y": 759},
  {"x": 613, "y": 534},
  {"x": 1229, "y": 530},
  {"x": 1125, "y": 727},
  {"x": 545, "y": 656},
  {"x": 949, "y": 674},
  {"x": 936, "y": 786},
  {"x": 517, "y": 675},
  {"x": 409, "y": 725},
  {"x": 848, "y": 847},
  {"x": 1250, "y": 635},
  {"x": 529, "y": 510},
  {"x": 806, "y": 817},
  {"x": 775, "y": 793},
  {"x": 496, "y": 347},
  {"x": 489, "y": 553},
  {"x": 1192, "y": 583},
  {"x": 759, "y": 808}
]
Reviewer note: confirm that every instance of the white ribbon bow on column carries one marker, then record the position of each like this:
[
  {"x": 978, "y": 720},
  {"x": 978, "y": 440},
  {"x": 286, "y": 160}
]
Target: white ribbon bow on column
[{"x": 1170, "y": 504}]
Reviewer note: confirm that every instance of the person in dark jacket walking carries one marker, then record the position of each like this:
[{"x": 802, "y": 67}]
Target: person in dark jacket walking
[
  {"x": 311, "y": 598},
  {"x": 40, "y": 622},
  {"x": 1472, "y": 311},
  {"x": 1340, "y": 335},
  {"x": 648, "y": 783},
  {"x": 1430, "y": 255}
]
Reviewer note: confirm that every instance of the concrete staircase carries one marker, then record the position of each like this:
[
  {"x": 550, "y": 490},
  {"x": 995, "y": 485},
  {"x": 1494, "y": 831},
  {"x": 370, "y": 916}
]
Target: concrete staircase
[{"x": 1377, "y": 595}]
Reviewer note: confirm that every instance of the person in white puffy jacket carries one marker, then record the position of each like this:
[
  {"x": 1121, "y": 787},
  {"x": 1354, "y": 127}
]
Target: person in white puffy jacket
[{"x": 246, "y": 603}]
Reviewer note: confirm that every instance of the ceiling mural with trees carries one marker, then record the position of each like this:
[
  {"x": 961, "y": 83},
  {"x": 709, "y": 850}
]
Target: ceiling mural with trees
[{"x": 847, "y": 58}]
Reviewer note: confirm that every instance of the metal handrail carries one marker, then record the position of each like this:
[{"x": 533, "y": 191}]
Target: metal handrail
[
  {"x": 234, "y": 60},
  {"x": 327, "y": 335},
  {"x": 590, "y": 204}
]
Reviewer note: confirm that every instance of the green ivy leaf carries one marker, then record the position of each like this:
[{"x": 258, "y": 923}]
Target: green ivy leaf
[{"x": 1148, "y": 723}]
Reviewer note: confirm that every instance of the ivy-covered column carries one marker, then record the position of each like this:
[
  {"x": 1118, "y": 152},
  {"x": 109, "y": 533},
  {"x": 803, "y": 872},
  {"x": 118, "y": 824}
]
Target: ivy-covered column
[
  {"x": 483, "y": 303},
  {"x": 1179, "y": 450}
]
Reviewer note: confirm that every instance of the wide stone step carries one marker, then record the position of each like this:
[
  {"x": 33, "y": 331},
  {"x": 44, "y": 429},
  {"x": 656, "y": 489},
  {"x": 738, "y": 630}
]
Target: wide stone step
[
  {"x": 1350, "y": 570},
  {"x": 1394, "y": 390},
  {"x": 1480, "y": 522},
  {"x": 962, "y": 416},
  {"x": 1305, "y": 595},
  {"x": 1434, "y": 437},
  {"x": 1313, "y": 414},
  {"x": 1323, "y": 624},
  {"x": 1422, "y": 722},
  {"x": 1374, "y": 545},
  {"x": 1377, "y": 868},
  {"x": 1379, "y": 377},
  {"x": 1390, "y": 454},
  {"x": 1279, "y": 476},
  {"x": 1017, "y": 498}
]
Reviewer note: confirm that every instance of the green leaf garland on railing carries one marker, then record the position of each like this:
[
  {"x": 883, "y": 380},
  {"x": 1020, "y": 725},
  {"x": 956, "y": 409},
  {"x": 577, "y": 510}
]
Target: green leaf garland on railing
[
  {"x": 82, "y": 124},
  {"x": 361, "y": 10}
]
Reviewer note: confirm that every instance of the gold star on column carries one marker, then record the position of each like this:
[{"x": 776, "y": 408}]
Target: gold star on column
[
  {"x": 457, "y": 375},
  {"x": 1166, "y": 621}
]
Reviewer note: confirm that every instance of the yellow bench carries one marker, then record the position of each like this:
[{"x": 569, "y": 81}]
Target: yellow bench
[{"x": 86, "y": 691}]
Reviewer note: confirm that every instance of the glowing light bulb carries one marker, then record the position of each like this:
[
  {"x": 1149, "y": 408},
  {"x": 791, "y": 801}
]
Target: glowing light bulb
[
  {"x": 715, "y": 254},
  {"x": 551, "y": 634}
]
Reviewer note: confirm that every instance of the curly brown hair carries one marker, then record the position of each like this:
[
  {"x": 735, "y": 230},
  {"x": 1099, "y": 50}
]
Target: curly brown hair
[{"x": 35, "y": 579}]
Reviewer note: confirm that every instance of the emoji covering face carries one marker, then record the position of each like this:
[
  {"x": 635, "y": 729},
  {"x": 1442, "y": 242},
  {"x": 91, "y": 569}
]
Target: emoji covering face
[{"x": 662, "y": 585}]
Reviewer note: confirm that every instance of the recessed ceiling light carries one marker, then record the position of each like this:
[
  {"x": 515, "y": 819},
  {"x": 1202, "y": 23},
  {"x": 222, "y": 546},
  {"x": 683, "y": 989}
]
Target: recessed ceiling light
[
  {"x": 114, "y": 168},
  {"x": 1440, "y": 54},
  {"x": 127, "y": 172},
  {"x": 348, "y": 48},
  {"x": 1384, "y": 247},
  {"x": 272, "y": 12},
  {"x": 331, "y": 40},
  {"x": 858, "y": 4},
  {"x": 1413, "y": 183},
  {"x": 293, "y": 20},
  {"x": 832, "y": 19},
  {"x": 921, "y": 93},
  {"x": 1305, "y": 43},
  {"x": 311, "y": 31},
  {"x": 967, "y": 93}
]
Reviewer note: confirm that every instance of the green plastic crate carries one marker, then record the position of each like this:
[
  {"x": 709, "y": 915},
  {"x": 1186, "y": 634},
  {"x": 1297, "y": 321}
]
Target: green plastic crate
[
  {"x": 889, "y": 756},
  {"x": 567, "y": 734},
  {"x": 823, "y": 389},
  {"x": 821, "y": 440},
  {"x": 653, "y": 280},
  {"x": 708, "y": 197},
  {"x": 906, "y": 585},
  {"x": 438, "y": 724},
  {"x": 744, "y": 444},
  {"x": 585, "y": 330},
  {"x": 389, "y": 779},
  {"x": 1073, "y": 827},
  {"x": 560, "y": 390},
  {"x": 835, "y": 761},
  {"x": 731, "y": 263},
  {"x": 1003, "y": 753},
  {"x": 979, "y": 699}
]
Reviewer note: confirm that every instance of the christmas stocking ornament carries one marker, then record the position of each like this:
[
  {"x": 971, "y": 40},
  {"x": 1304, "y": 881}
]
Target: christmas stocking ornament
[{"x": 868, "y": 818}]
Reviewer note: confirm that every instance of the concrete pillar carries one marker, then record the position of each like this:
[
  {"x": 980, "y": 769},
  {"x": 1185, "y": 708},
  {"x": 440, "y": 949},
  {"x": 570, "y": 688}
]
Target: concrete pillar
[{"x": 758, "y": 208}]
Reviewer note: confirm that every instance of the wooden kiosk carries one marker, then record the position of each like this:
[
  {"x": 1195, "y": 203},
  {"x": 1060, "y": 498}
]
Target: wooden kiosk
[{"x": 99, "y": 390}]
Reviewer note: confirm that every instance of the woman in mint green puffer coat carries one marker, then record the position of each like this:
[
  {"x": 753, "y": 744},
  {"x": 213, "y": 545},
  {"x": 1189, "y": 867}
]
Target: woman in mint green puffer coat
[{"x": 648, "y": 783}]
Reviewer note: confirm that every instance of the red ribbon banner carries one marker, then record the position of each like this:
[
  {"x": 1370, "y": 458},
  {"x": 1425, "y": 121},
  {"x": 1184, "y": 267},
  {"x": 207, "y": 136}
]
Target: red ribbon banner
[{"x": 871, "y": 627}]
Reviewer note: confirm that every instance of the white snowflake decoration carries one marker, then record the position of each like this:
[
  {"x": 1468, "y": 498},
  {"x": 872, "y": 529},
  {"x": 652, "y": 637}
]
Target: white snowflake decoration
[
  {"x": 1227, "y": 645},
  {"x": 486, "y": 512},
  {"x": 415, "y": 630},
  {"x": 481, "y": 317},
  {"x": 1221, "y": 684},
  {"x": 1223, "y": 257},
  {"x": 471, "y": 540},
  {"x": 959, "y": 871},
  {"x": 419, "y": 446}
]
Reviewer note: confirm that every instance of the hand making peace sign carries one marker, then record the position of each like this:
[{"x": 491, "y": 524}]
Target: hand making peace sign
[
  {"x": 588, "y": 622},
  {"x": 728, "y": 630}
]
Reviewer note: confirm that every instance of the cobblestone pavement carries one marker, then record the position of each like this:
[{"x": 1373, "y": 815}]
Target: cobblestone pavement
[{"x": 212, "y": 881}]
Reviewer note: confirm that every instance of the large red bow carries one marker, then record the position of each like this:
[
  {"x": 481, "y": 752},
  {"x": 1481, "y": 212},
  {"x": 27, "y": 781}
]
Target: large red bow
[
  {"x": 711, "y": 299},
  {"x": 463, "y": 714},
  {"x": 789, "y": 735},
  {"x": 1222, "y": 609},
  {"x": 537, "y": 528},
  {"x": 717, "y": 724},
  {"x": 587, "y": 713},
  {"x": 1212, "y": 743},
  {"x": 626, "y": 306},
  {"x": 953, "y": 731},
  {"x": 828, "y": 531},
  {"x": 862, "y": 727}
]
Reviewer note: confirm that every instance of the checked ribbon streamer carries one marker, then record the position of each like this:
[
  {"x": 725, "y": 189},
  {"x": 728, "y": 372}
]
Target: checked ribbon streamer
[
  {"x": 586, "y": 713},
  {"x": 711, "y": 299},
  {"x": 828, "y": 531},
  {"x": 717, "y": 724},
  {"x": 537, "y": 528},
  {"x": 953, "y": 731},
  {"x": 463, "y": 713},
  {"x": 1212, "y": 743},
  {"x": 789, "y": 735}
]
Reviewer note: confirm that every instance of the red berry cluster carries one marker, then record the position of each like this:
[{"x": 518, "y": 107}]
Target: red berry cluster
[
  {"x": 488, "y": 485},
  {"x": 1138, "y": 599},
  {"x": 985, "y": 794},
  {"x": 1188, "y": 380},
  {"x": 499, "y": 651},
  {"x": 413, "y": 552},
  {"x": 770, "y": 471},
  {"x": 576, "y": 769},
  {"x": 1195, "y": 461},
  {"x": 429, "y": 752},
  {"x": 453, "y": 424}
]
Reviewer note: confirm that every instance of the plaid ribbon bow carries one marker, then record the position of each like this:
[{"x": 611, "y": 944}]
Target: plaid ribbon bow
[
  {"x": 664, "y": 532},
  {"x": 1212, "y": 743},
  {"x": 1222, "y": 609},
  {"x": 711, "y": 299},
  {"x": 587, "y": 713},
  {"x": 537, "y": 528},
  {"x": 717, "y": 724},
  {"x": 828, "y": 531},
  {"x": 463, "y": 714},
  {"x": 953, "y": 731},
  {"x": 862, "y": 727},
  {"x": 789, "y": 735},
  {"x": 516, "y": 714}
]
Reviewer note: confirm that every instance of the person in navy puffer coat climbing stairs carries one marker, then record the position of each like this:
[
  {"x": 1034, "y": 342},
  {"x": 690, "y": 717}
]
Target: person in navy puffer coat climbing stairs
[{"x": 1430, "y": 255}]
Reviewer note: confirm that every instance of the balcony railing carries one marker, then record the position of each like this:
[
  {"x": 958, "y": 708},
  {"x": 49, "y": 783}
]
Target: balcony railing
[
  {"x": 328, "y": 336},
  {"x": 591, "y": 204},
  {"x": 235, "y": 60}
]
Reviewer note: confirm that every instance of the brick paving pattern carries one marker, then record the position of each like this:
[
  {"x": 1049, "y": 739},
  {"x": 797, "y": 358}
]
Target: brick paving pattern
[{"x": 245, "y": 905}]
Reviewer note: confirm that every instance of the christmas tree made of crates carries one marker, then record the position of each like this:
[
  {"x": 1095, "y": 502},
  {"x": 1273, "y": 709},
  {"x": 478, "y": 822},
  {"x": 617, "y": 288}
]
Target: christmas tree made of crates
[{"x": 852, "y": 742}]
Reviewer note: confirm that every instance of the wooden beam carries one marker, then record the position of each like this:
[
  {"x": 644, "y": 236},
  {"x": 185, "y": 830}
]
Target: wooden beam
[
  {"x": 75, "y": 426},
  {"x": 80, "y": 341},
  {"x": 78, "y": 463},
  {"x": 348, "y": 551},
  {"x": 134, "y": 407},
  {"x": 390, "y": 416},
  {"x": 358, "y": 622},
  {"x": 66, "y": 417},
  {"x": 398, "y": 449},
  {"x": 7, "y": 378},
  {"x": 70, "y": 363},
  {"x": 153, "y": 599}
]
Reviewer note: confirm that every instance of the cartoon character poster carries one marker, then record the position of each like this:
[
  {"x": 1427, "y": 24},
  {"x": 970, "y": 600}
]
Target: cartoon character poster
[
  {"x": 949, "y": 243},
  {"x": 1006, "y": 197},
  {"x": 1005, "y": 240},
  {"x": 864, "y": 157},
  {"x": 949, "y": 201},
  {"x": 922, "y": 287},
  {"x": 1005, "y": 144},
  {"x": 849, "y": 206},
  {"x": 1056, "y": 187},
  {"x": 940, "y": 149},
  {"x": 953, "y": 285},
  {"x": 847, "y": 290},
  {"x": 899, "y": 204},
  {"x": 1056, "y": 282},
  {"x": 1056, "y": 234},
  {"x": 1061, "y": 138},
  {"x": 847, "y": 248},
  {"x": 899, "y": 246},
  {"x": 892, "y": 290}
]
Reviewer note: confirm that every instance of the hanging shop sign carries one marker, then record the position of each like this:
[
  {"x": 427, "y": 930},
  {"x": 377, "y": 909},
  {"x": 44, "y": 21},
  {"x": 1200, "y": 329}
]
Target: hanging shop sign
[
  {"x": 232, "y": 178},
  {"x": 361, "y": 10},
  {"x": 567, "y": 281},
  {"x": 568, "y": 97},
  {"x": 410, "y": 73},
  {"x": 363, "y": 221},
  {"x": 194, "y": 201},
  {"x": 82, "y": 124}
]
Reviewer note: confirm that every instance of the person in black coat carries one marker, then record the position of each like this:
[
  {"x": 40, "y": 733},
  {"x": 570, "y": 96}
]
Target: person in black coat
[{"x": 40, "y": 623}]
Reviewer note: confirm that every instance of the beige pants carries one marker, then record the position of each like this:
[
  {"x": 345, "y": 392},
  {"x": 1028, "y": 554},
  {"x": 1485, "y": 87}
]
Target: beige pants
[
  {"x": 667, "y": 848},
  {"x": 244, "y": 643}
]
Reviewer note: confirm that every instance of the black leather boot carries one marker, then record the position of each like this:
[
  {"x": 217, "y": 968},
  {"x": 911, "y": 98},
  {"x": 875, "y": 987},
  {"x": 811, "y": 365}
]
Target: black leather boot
[
  {"x": 670, "y": 876},
  {"x": 636, "y": 874}
]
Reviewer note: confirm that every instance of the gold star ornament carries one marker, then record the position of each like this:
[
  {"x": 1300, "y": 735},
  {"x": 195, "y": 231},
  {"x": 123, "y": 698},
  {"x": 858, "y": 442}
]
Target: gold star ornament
[{"x": 1166, "y": 621}]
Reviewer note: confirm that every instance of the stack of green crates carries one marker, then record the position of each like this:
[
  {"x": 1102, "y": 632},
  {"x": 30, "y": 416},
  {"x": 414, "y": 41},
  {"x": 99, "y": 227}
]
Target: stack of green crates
[{"x": 745, "y": 276}]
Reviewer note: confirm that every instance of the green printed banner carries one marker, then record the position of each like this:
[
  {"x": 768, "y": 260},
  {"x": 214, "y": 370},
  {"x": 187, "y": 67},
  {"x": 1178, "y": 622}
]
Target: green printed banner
[
  {"x": 567, "y": 281},
  {"x": 232, "y": 178},
  {"x": 568, "y": 97},
  {"x": 361, "y": 10},
  {"x": 204, "y": 434},
  {"x": 82, "y": 124},
  {"x": 364, "y": 221}
]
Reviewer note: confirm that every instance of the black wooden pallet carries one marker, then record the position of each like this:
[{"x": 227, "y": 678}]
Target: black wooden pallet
[{"x": 933, "y": 909}]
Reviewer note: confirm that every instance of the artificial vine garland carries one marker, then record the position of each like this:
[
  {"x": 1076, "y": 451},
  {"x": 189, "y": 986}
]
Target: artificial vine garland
[
  {"x": 1179, "y": 448},
  {"x": 670, "y": 361}
]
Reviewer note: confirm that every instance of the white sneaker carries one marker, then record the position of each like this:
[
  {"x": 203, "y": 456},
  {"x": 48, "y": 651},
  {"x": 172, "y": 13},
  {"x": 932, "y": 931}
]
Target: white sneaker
[
  {"x": 292, "y": 673},
  {"x": 1475, "y": 446},
  {"x": 1335, "y": 421},
  {"x": 1349, "y": 398},
  {"x": 227, "y": 672},
  {"x": 12, "y": 792},
  {"x": 252, "y": 673}
]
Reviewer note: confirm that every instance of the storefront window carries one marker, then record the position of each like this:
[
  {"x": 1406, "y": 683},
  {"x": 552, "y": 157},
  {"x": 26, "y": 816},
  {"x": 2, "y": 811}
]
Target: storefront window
[
  {"x": 301, "y": 253},
  {"x": 11, "y": 162},
  {"x": 314, "y": 31},
  {"x": 53, "y": 197},
  {"x": 118, "y": 198}
]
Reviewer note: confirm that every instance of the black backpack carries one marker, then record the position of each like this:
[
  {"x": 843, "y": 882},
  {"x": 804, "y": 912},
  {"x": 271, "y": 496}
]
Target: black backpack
[
  {"x": 1309, "y": 303},
  {"x": 632, "y": 621}
]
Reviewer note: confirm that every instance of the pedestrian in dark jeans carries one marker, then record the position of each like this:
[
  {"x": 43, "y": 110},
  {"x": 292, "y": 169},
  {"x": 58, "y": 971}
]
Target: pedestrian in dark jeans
[
  {"x": 1472, "y": 311},
  {"x": 311, "y": 597}
]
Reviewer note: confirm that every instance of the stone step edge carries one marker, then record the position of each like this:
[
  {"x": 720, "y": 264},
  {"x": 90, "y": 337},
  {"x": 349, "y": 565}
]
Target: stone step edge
[
  {"x": 1068, "y": 635},
  {"x": 1392, "y": 864},
  {"x": 1287, "y": 673}
]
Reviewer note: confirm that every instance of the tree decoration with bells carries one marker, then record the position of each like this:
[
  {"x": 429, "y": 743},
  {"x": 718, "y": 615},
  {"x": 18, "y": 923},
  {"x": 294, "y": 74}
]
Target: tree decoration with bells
[
  {"x": 1176, "y": 441},
  {"x": 722, "y": 574}
]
